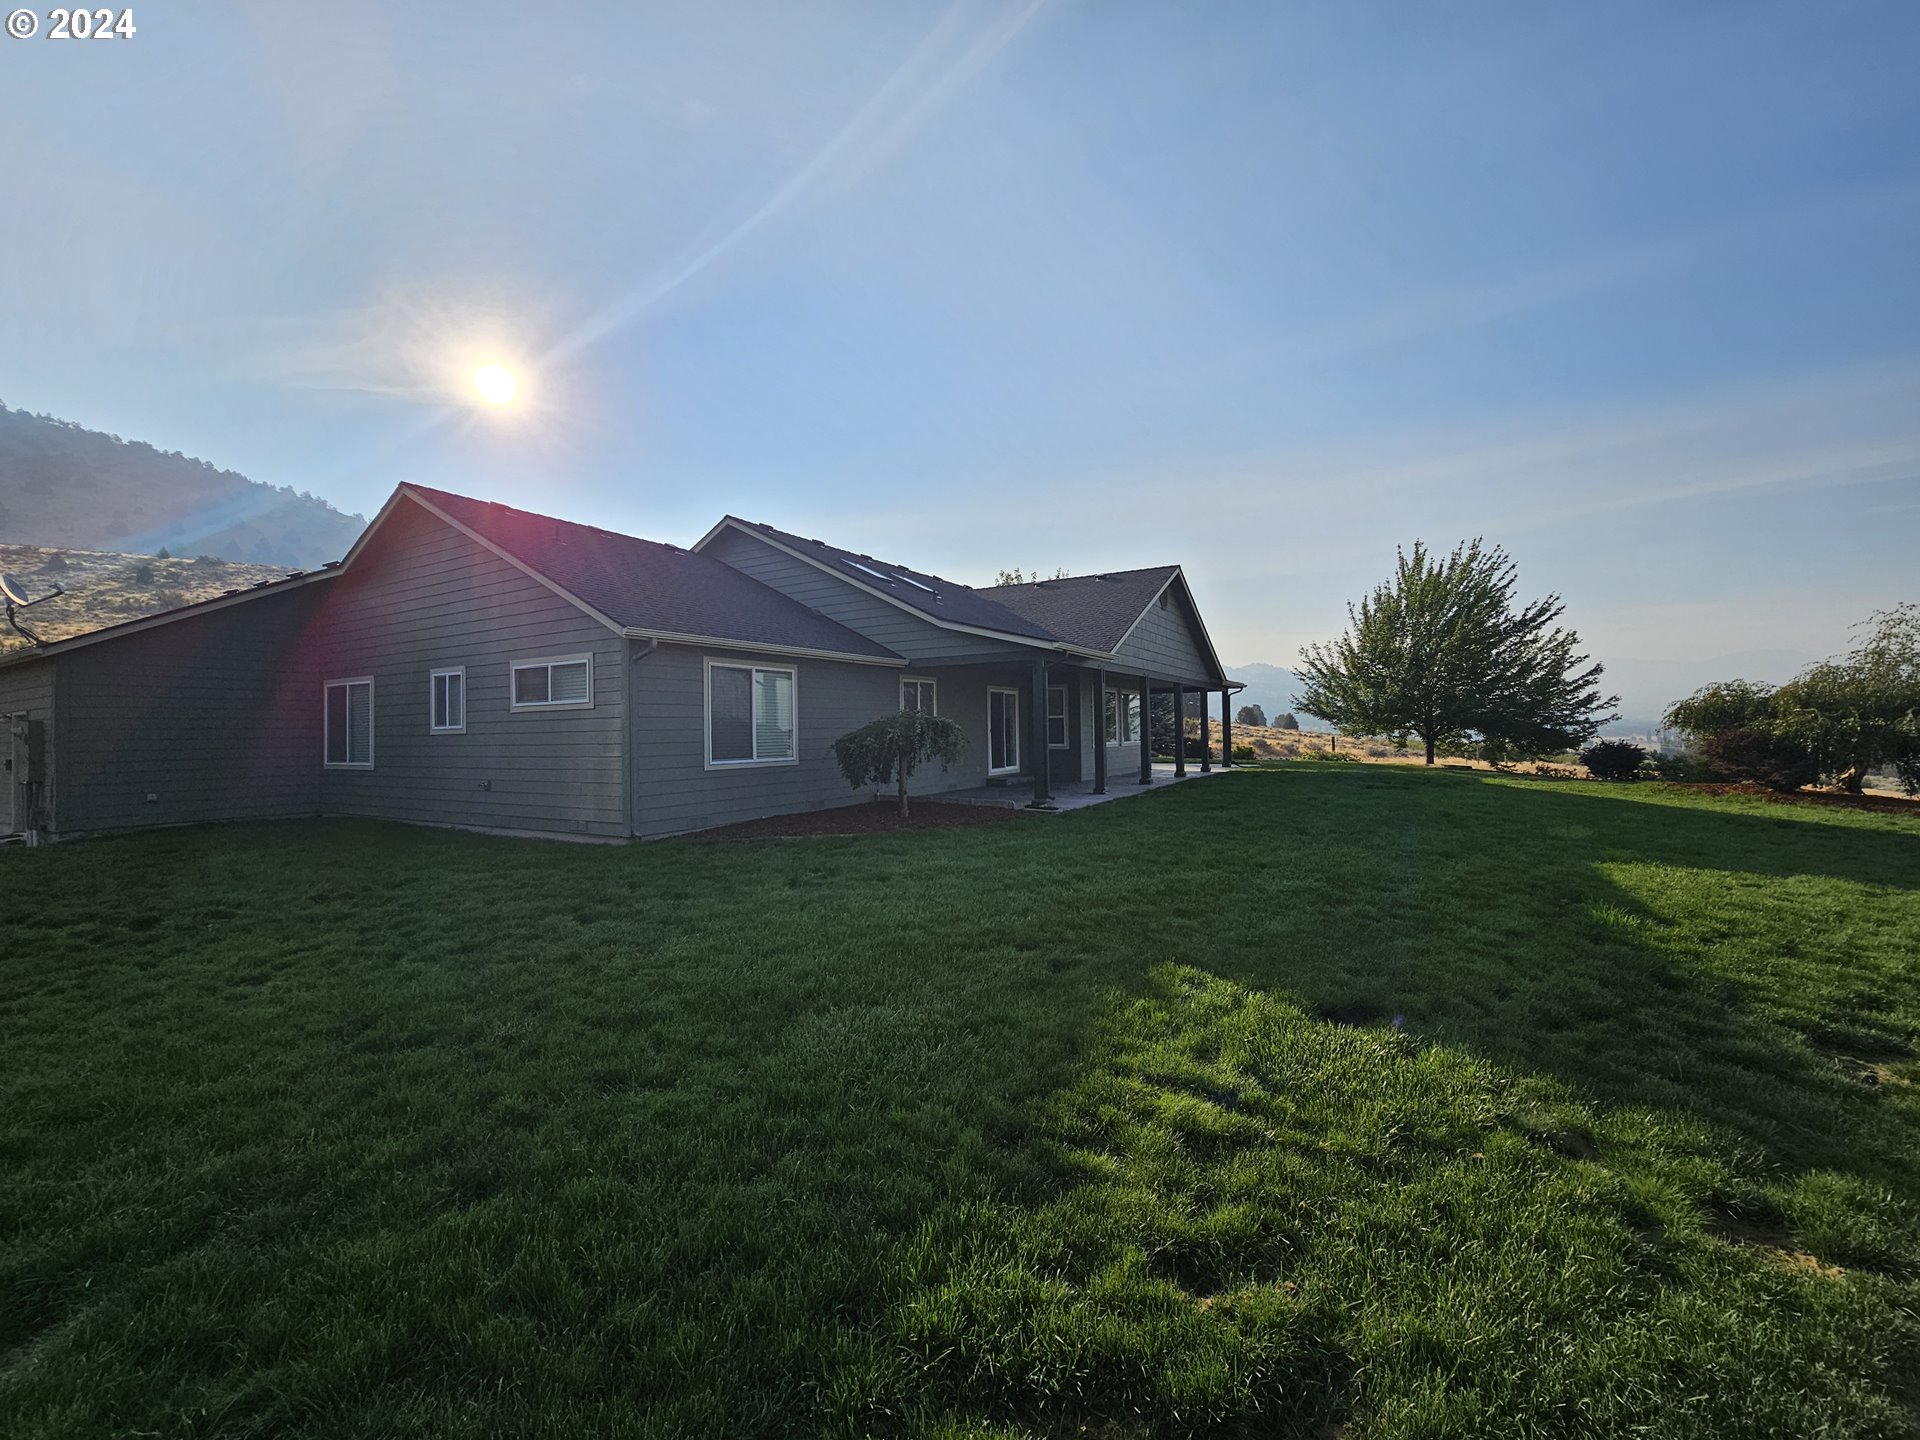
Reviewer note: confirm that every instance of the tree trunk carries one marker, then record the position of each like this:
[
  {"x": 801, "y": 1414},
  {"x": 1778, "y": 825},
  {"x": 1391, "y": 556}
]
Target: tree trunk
[
  {"x": 903, "y": 793},
  {"x": 1429, "y": 740},
  {"x": 1850, "y": 779}
]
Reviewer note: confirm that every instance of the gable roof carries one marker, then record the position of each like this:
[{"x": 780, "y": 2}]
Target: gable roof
[
  {"x": 943, "y": 601},
  {"x": 644, "y": 587},
  {"x": 1091, "y": 611},
  {"x": 295, "y": 579}
]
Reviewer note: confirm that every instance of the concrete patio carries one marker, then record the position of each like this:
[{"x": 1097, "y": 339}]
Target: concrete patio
[{"x": 1076, "y": 794}]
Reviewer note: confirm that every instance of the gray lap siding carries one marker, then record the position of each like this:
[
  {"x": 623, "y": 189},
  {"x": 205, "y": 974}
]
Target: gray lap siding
[
  {"x": 424, "y": 597},
  {"x": 903, "y": 633},
  {"x": 1162, "y": 646},
  {"x": 675, "y": 791},
  {"x": 210, "y": 715}
]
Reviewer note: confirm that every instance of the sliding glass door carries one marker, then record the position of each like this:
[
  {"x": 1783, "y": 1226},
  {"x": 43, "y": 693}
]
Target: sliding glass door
[{"x": 1003, "y": 731}]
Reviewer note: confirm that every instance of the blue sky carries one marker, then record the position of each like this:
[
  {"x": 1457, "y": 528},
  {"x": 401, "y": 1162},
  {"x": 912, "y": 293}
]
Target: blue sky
[{"x": 1263, "y": 289}]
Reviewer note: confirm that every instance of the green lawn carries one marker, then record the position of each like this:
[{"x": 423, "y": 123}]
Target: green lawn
[{"x": 1308, "y": 1101}]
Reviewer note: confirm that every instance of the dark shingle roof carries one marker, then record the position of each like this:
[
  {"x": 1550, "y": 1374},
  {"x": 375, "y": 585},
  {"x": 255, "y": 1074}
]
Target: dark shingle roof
[
  {"x": 644, "y": 585},
  {"x": 942, "y": 599},
  {"x": 1093, "y": 612}
]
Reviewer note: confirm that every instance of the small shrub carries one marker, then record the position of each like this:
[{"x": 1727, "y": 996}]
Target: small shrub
[
  {"x": 1754, "y": 755},
  {"x": 1243, "y": 755},
  {"x": 143, "y": 574},
  {"x": 1613, "y": 759},
  {"x": 891, "y": 748}
]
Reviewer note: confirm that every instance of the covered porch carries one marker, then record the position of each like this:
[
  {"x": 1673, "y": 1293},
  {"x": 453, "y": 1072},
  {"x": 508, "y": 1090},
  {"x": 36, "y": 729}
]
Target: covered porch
[{"x": 1064, "y": 733}]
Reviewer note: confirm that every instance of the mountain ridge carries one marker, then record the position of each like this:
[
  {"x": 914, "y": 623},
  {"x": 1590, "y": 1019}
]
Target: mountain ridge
[{"x": 65, "y": 486}]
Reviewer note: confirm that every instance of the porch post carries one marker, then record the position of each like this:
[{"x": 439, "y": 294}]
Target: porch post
[
  {"x": 1145, "y": 737},
  {"x": 1100, "y": 732},
  {"x": 1206, "y": 737},
  {"x": 1179, "y": 732},
  {"x": 1042, "y": 757},
  {"x": 1226, "y": 728}
]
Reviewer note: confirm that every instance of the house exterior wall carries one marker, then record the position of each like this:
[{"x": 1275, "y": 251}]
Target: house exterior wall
[
  {"x": 27, "y": 689},
  {"x": 423, "y": 596},
  {"x": 1162, "y": 645},
  {"x": 674, "y": 789},
  {"x": 207, "y": 715},
  {"x": 900, "y": 631}
]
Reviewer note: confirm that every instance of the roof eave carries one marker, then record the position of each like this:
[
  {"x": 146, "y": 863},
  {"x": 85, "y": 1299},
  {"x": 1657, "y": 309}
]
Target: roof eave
[
  {"x": 804, "y": 652},
  {"x": 125, "y": 628}
]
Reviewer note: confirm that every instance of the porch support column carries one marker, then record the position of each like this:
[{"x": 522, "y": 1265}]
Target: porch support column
[
  {"x": 1100, "y": 732},
  {"x": 1206, "y": 737},
  {"x": 1179, "y": 732},
  {"x": 1226, "y": 729},
  {"x": 1037, "y": 728},
  {"x": 1145, "y": 737}
]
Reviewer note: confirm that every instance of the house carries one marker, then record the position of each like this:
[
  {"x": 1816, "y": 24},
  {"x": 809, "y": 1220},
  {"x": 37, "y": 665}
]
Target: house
[{"x": 476, "y": 665}]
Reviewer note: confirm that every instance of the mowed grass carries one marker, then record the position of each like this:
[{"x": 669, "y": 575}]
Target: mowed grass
[{"x": 1311, "y": 1101}]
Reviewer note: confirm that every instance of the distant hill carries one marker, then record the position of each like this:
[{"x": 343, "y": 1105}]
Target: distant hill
[
  {"x": 1271, "y": 687},
  {"x": 108, "y": 587},
  {"x": 66, "y": 486}
]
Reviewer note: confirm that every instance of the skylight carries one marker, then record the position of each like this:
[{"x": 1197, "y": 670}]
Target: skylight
[
  {"x": 917, "y": 584},
  {"x": 868, "y": 569}
]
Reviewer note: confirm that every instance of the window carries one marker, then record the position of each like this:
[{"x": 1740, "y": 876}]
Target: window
[
  {"x": 1003, "y": 731},
  {"x": 750, "y": 715},
  {"x": 1056, "y": 717},
  {"x": 1122, "y": 717},
  {"x": 917, "y": 694},
  {"x": 349, "y": 724},
  {"x": 544, "y": 684},
  {"x": 447, "y": 709}
]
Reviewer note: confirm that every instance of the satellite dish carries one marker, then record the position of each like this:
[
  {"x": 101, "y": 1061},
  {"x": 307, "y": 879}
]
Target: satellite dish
[{"x": 15, "y": 592}]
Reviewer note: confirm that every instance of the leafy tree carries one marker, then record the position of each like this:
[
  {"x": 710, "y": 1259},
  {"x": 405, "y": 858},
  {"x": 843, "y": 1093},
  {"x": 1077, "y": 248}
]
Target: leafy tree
[
  {"x": 1442, "y": 651},
  {"x": 1017, "y": 576},
  {"x": 891, "y": 748},
  {"x": 1837, "y": 719},
  {"x": 1250, "y": 715},
  {"x": 165, "y": 554},
  {"x": 1613, "y": 759},
  {"x": 1287, "y": 722},
  {"x": 143, "y": 574}
]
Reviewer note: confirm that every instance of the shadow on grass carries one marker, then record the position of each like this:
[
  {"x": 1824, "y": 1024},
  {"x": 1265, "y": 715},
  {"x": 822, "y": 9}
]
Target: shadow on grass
[{"x": 317, "y": 1124}]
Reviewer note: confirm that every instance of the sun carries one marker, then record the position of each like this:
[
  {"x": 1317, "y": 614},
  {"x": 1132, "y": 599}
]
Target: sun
[{"x": 496, "y": 384}]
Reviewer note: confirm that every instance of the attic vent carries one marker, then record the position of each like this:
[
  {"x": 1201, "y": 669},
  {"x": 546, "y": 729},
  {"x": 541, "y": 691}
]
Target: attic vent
[{"x": 1163, "y": 599}]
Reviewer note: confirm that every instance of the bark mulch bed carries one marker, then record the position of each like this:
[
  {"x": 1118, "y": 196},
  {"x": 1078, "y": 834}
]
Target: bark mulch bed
[
  {"x": 1886, "y": 804},
  {"x": 877, "y": 818}
]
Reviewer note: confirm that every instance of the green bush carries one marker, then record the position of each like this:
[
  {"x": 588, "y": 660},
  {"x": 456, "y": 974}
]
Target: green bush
[
  {"x": 1243, "y": 754},
  {"x": 1777, "y": 763},
  {"x": 1613, "y": 759}
]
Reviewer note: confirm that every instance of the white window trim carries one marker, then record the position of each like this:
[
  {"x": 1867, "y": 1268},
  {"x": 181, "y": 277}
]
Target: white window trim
[
  {"x": 706, "y": 716},
  {"x": 325, "y": 763},
  {"x": 547, "y": 661},
  {"x": 1066, "y": 719},
  {"x": 461, "y": 671},
  {"x": 1116, "y": 736},
  {"x": 906, "y": 680},
  {"x": 1014, "y": 768}
]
